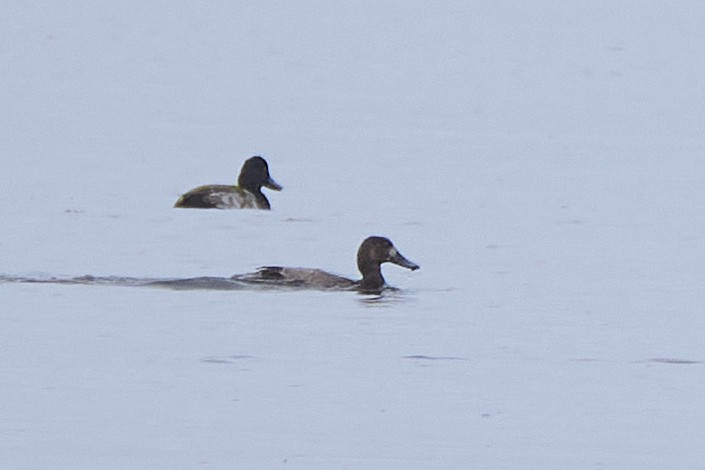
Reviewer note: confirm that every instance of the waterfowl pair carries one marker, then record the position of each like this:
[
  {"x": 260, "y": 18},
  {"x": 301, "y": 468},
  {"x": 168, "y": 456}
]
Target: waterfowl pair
[
  {"x": 246, "y": 195},
  {"x": 373, "y": 252}
]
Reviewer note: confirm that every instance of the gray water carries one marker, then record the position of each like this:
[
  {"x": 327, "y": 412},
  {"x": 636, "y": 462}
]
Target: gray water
[{"x": 541, "y": 162}]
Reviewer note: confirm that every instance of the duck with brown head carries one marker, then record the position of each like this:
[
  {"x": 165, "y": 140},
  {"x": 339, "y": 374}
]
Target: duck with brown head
[
  {"x": 373, "y": 252},
  {"x": 246, "y": 195}
]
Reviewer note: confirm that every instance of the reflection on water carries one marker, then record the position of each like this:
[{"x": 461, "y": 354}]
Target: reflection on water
[{"x": 389, "y": 297}]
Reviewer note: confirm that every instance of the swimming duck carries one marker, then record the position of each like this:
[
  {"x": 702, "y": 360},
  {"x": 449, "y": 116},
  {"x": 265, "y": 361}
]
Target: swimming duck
[
  {"x": 246, "y": 195},
  {"x": 373, "y": 252}
]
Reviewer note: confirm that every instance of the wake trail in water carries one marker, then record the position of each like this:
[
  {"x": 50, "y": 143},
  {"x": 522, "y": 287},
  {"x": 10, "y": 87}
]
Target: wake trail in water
[
  {"x": 196, "y": 283},
  {"x": 205, "y": 283}
]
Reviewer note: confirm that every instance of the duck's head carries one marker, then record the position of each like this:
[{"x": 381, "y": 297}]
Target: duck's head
[
  {"x": 377, "y": 250},
  {"x": 255, "y": 174}
]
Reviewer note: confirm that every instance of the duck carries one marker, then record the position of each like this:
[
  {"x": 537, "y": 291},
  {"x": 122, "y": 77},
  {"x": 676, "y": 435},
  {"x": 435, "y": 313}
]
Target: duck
[
  {"x": 373, "y": 252},
  {"x": 246, "y": 195}
]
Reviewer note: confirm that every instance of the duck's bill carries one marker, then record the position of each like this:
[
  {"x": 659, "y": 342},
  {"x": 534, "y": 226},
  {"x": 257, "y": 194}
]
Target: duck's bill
[
  {"x": 271, "y": 184},
  {"x": 398, "y": 259}
]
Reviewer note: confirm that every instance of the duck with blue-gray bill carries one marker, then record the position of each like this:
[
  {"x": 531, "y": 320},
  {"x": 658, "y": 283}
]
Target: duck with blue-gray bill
[
  {"x": 246, "y": 195},
  {"x": 373, "y": 252}
]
